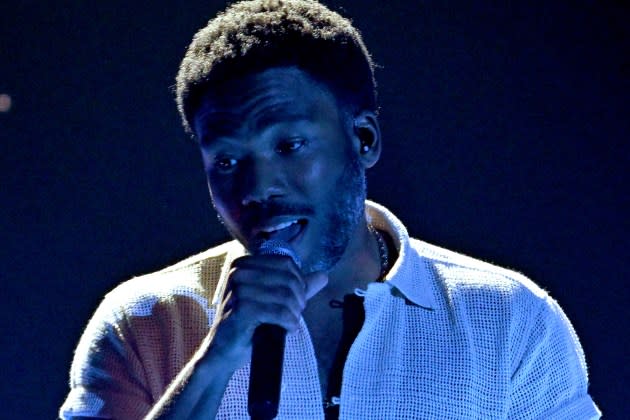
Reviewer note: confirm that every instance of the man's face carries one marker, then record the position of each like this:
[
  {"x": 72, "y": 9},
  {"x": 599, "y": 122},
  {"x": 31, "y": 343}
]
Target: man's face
[{"x": 279, "y": 163}]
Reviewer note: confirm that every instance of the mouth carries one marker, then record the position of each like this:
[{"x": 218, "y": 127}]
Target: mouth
[{"x": 286, "y": 228}]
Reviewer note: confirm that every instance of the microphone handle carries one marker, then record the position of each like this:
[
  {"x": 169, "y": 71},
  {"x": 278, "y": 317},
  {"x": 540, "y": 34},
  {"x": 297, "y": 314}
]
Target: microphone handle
[
  {"x": 266, "y": 371},
  {"x": 265, "y": 377}
]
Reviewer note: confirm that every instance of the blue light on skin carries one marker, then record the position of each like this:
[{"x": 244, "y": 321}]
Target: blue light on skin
[{"x": 276, "y": 147}]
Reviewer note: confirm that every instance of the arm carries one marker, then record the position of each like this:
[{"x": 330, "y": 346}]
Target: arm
[
  {"x": 112, "y": 378},
  {"x": 262, "y": 289},
  {"x": 198, "y": 389}
]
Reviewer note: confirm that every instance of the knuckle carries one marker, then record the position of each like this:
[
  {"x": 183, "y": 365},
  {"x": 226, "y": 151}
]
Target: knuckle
[
  {"x": 292, "y": 321},
  {"x": 283, "y": 315},
  {"x": 287, "y": 262},
  {"x": 289, "y": 316},
  {"x": 237, "y": 275},
  {"x": 285, "y": 293}
]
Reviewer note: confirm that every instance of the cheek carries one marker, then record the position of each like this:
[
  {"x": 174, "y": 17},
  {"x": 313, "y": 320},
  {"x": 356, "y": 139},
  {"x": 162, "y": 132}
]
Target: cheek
[
  {"x": 311, "y": 179},
  {"x": 313, "y": 172},
  {"x": 222, "y": 200},
  {"x": 322, "y": 174},
  {"x": 318, "y": 182}
]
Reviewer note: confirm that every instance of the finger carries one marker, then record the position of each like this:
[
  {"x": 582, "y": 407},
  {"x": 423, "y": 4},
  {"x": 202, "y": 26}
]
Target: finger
[
  {"x": 315, "y": 282},
  {"x": 280, "y": 295},
  {"x": 268, "y": 278},
  {"x": 270, "y": 261},
  {"x": 269, "y": 313}
]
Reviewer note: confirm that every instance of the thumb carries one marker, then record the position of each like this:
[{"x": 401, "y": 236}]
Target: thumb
[{"x": 315, "y": 282}]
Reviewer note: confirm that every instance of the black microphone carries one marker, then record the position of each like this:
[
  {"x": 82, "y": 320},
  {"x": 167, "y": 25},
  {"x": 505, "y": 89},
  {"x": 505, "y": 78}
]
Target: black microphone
[{"x": 265, "y": 375}]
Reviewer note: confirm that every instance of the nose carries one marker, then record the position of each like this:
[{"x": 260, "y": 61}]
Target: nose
[{"x": 263, "y": 181}]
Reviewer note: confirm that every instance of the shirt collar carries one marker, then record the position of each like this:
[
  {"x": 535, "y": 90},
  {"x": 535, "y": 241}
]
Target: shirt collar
[{"x": 409, "y": 274}]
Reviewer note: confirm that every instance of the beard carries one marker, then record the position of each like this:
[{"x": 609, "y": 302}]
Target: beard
[{"x": 344, "y": 212}]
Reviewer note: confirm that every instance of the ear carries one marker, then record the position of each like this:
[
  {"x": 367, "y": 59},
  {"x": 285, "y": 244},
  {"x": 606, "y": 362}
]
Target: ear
[{"x": 366, "y": 138}]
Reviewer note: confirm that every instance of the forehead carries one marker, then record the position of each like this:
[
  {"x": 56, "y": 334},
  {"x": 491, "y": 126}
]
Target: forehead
[{"x": 276, "y": 95}]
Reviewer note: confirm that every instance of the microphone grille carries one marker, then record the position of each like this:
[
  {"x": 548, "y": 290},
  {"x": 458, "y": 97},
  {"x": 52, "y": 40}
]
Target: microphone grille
[{"x": 278, "y": 247}]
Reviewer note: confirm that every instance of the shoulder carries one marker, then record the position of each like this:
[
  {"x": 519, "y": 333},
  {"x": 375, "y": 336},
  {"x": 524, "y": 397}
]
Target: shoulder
[
  {"x": 461, "y": 279},
  {"x": 195, "y": 277},
  {"x": 501, "y": 309},
  {"x": 155, "y": 320},
  {"x": 145, "y": 305},
  {"x": 495, "y": 303}
]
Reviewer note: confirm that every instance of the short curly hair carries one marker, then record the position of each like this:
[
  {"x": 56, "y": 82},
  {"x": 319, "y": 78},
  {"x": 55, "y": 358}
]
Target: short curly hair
[{"x": 250, "y": 36}]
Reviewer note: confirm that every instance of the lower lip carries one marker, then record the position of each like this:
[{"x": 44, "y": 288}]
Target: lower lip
[
  {"x": 292, "y": 241},
  {"x": 298, "y": 234},
  {"x": 295, "y": 231}
]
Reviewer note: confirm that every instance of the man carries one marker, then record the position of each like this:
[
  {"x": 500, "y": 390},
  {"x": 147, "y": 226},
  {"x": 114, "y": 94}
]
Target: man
[{"x": 280, "y": 96}]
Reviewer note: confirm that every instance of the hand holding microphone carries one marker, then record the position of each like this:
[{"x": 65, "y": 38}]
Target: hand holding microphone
[
  {"x": 265, "y": 378},
  {"x": 266, "y": 292}
]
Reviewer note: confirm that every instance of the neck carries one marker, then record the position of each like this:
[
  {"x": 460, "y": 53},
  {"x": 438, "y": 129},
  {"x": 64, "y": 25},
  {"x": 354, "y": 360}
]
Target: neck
[{"x": 359, "y": 265}]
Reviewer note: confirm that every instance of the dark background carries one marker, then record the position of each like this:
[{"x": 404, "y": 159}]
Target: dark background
[{"x": 505, "y": 129}]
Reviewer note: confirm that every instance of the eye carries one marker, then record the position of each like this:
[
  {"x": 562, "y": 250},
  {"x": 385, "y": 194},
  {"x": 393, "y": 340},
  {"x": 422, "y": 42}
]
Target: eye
[
  {"x": 225, "y": 164},
  {"x": 290, "y": 145}
]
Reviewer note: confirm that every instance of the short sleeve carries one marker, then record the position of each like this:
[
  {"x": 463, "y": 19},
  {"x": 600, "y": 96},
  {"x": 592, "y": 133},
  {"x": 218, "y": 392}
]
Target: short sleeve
[
  {"x": 106, "y": 379},
  {"x": 550, "y": 380}
]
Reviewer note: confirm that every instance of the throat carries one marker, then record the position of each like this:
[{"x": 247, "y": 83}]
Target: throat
[{"x": 367, "y": 259}]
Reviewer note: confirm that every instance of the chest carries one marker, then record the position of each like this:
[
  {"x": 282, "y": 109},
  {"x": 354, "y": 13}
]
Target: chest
[
  {"x": 325, "y": 328},
  {"x": 333, "y": 330},
  {"x": 404, "y": 363},
  {"x": 396, "y": 359}
]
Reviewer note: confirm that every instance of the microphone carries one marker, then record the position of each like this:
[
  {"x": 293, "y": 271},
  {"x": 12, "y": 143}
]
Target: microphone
[{"x": 265, "y": 375}]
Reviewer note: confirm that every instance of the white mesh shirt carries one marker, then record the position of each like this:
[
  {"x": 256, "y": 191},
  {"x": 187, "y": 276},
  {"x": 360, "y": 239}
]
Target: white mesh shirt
[{"x": 445, "y": 336}]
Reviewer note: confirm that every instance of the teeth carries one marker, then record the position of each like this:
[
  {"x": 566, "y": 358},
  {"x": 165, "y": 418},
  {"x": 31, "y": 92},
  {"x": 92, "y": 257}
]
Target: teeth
[{"x": 279, "y": 226}]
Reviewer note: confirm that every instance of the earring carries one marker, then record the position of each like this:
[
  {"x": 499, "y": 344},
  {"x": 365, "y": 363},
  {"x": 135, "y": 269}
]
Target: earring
[{"x": 365, "y": 136}]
